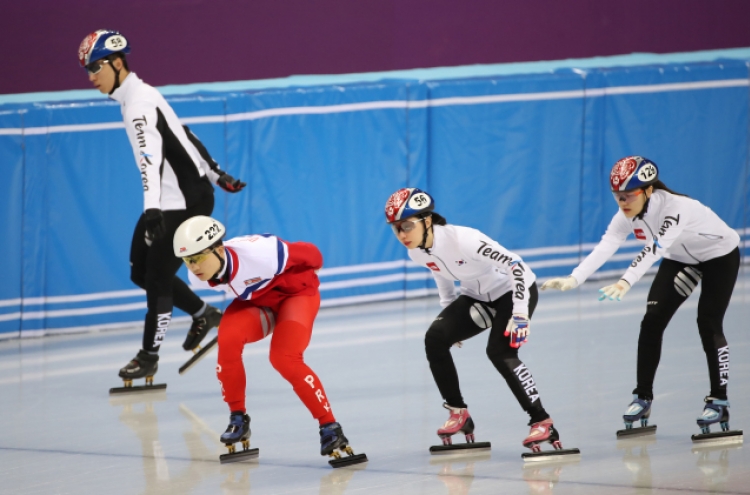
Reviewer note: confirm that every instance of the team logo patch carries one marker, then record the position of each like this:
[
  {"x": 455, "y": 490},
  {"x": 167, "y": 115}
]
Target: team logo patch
[
  {"x": 622, "y": 171},
  {"x": 86, "y": 45},
  {"x": 182, "y": 249},
  {"x": 639, "y": 234},
  {"x": 252, "y": 281},
  {"x": 432, "y": 266},
  {"x": 460, "y": 262},
  {"x": 395, "y": 202}
]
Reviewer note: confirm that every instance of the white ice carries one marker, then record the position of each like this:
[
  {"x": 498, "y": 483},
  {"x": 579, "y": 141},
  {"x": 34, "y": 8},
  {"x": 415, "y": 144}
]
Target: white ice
[{"x": 61, "y": 433}]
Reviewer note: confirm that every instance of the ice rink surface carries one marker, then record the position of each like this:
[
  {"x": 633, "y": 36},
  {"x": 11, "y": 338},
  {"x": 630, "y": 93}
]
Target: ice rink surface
[{"x": 62, "y": 433}]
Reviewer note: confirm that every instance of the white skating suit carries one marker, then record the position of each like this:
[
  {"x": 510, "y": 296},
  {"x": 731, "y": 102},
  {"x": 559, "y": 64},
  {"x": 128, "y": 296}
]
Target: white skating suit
[
  {"x": 175, "y": 167},
  {"x": 484, "y": 268},
  {"x": 674, "y": 227}
]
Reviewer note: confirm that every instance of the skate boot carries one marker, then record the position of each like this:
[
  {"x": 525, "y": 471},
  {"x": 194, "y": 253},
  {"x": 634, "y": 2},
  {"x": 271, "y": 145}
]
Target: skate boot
[
  {"x": 541, "y": 432},
  {"x": 458, "y": 421},
  {"x": 201, "y": 326},
  {"x": 332, "y": 440},
  {"x": 638, "y": 410},
  {"x": 237, "y": 431},
  {"x": 716, "y": 411},
  {"x": 143, "y": 365}
]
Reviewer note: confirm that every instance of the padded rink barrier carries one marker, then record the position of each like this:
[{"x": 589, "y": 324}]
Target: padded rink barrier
[{"x": 524, "y": 158}]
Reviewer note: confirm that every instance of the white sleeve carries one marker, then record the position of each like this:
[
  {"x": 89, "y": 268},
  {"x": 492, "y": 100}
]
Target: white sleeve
[
  {"x": 617, "y": 231},
  {"x": 494, "y": 254},
  {"x": 146, "y": 140},
  {"x": 446, "y": 289},
  {"x": 671, "y": 226}
]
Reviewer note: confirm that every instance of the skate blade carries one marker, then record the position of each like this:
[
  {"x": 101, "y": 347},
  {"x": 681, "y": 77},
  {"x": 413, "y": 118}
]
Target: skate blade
[
  {"x": 159, "y": 387},
  {"x": 348, "y": 460},
  {"x": 199, "y": 355},
  {"x": 637, "y": 432},
  {"x": 562, "y": 455},
  {"x": 242, "y": 455},
  {"x": 731, "y": 437},
  {"x": 458, "y": 448}
]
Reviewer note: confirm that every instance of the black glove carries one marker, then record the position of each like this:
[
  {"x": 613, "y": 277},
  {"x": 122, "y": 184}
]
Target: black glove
[
  {"x": 229, "y": 183},
  {"x": 155, "y": 227}
]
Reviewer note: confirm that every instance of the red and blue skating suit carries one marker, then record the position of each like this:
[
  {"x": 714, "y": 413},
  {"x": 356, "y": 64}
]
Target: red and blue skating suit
[{"x": 275, "y": 286}]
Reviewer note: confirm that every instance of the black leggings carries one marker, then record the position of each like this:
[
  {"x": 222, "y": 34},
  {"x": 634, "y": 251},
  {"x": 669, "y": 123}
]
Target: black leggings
[
  {"x": 153, "y": 268},
  {"x": 465, "y": 318},
  {"x": 673, "y": 283}
]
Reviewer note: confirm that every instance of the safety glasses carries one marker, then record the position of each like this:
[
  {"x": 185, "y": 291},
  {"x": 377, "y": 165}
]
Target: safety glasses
[
  {"x": 196, "y": 258},
  {"x": 627, "y": 197},
  {"x": 405, "y": 225},
  {"x": 96, "y": 67}
]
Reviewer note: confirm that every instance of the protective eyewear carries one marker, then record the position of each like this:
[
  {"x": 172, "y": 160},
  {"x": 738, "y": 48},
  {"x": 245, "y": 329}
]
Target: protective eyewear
[
  {"x": 96, "y": 67},
  {"x": 627, "y": 197},
  {"x": 405, "y": 225},
  {"x": 196, "y": 258}
]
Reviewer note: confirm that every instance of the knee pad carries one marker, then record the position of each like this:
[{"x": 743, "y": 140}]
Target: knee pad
[
  {"x": 687, "y": 280},
  {"x": 482, "y": 315}
]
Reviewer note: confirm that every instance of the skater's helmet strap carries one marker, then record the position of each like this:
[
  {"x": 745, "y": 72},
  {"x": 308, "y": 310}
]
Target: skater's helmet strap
[{"x": 197, "y": 234}]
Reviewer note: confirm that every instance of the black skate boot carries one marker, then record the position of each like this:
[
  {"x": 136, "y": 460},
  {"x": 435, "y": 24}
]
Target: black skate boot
[
  {"x": 143, "y": 365},
  {"x": 201, "y": 326},
  {"x": 332, "y": 438},
  {"x": 237, "y": 431},
  {"x": 716, "y": 411}
]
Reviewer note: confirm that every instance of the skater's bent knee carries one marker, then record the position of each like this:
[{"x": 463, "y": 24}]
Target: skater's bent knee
[
  {"x": 286, "y": 364},
  {"x": 138, "y": 279}
]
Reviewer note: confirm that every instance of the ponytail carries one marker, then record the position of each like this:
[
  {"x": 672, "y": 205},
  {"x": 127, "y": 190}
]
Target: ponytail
[
  {"x": 660, "y": 185},
  {"x": 438, "y": 219}
]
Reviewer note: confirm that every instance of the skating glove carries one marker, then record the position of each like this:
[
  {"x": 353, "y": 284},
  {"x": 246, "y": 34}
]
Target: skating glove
[
  {"x": 563, "y": 284},
  {"x": 518, "y": 330},
  {"x": 155, "y": 227},
  {"x": 229, "y": 183},
  {"x": 615, "y": 291}
]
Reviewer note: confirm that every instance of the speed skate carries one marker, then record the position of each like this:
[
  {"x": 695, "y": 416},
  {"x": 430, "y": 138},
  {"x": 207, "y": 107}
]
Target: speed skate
[
  {"x": 238, "y": 431},
  {"x": 459, "y": 421},
  {"x": 545, "y": 431},
  {"x": 199, "y": 353},
  {"x": 716, "y": 411},
  {"x": 143, "y": 365},
  {"x": 639, "y": 410}
]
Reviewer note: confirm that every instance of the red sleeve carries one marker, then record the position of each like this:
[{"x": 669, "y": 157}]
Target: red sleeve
[{"x": 303, "y": 255}]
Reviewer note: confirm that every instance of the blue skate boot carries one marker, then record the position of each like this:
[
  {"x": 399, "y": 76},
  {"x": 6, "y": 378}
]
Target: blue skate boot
[
  {"x": 716, "y": 411},
  {"x": 638, "y": 410},
  {"x": 332, "y": 440},
  {"x": 237, "y": 431}
]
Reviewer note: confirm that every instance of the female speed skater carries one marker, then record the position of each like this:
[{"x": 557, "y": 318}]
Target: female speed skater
[
  {"x": 275, "y": 286},
  {"x": 498, "y": 290},
  {"x": 695, "y": 245}
]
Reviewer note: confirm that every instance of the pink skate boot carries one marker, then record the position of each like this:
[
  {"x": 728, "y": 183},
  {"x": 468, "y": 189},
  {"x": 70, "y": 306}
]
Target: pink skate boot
[
  {"x": 459, "y": 421},
  {"x": 544, "y": 431}
]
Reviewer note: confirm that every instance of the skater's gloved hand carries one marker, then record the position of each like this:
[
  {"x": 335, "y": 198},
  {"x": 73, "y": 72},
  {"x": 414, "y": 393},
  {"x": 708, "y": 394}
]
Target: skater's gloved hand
[
  {"x": 563, "y": 284},
  {"x": 518, "y": 329},
  {"x": 615, "y": 291},
  {"x": 155, "y": 226},
  {"x": 229, "y": 183}
]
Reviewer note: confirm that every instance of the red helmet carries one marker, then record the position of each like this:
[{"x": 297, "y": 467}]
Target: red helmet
[{"x": 407, "y": 202}]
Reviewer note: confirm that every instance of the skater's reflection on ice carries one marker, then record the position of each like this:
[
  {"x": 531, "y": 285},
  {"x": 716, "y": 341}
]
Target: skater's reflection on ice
[
  {"x": 138, "y": 413},
  {"x": 335, "y": 482},
  {"x": 636, "y": 460},
  {"x": 457, "y": 471},
  {"x": 713, "y": 462},
  {"x": 543, "y": 476}
]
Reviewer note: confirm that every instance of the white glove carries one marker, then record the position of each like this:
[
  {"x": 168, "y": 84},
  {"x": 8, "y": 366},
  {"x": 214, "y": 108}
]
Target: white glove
[
  {"x": 615, "y": 291},
  {"x": 518, "y": 329},
  {"x": 563, "y": 284}
]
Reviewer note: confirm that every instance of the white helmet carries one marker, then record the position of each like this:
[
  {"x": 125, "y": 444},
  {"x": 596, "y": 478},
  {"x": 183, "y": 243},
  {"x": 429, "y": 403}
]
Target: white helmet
[{"x": 196, "y": 234}]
